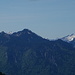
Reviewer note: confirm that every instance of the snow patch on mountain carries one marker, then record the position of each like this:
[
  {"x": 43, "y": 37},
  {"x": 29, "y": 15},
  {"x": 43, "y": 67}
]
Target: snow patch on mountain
[
  {"x": 69, "y": 38},
  {"x": 9, "y": 33}
]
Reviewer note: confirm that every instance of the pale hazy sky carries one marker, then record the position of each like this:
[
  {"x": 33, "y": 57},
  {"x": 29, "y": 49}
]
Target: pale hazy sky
[{"x": 47, "y": 18}]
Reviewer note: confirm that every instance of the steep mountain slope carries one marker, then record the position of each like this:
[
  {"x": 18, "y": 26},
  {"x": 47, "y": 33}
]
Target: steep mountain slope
[
  {"x": 25, "y": 53},
  {"x": 70, "y": 39},
  {"x": 73, "y": 42}
]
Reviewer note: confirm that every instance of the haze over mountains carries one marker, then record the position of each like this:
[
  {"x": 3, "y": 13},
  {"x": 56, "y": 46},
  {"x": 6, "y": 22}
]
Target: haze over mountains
[{"x": 26, "y": 53}]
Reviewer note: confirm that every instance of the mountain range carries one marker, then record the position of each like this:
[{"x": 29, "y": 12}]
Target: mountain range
[{"x": 26, "y": 53}]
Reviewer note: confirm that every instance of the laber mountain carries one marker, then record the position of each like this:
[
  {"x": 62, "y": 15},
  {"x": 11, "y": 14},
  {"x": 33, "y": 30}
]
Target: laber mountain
[{"x": 26, "y": 53}]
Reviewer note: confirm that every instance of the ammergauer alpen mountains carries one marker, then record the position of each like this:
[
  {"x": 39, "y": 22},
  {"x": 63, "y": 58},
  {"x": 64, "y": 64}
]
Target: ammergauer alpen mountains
[{"x": 26, "y": 53}]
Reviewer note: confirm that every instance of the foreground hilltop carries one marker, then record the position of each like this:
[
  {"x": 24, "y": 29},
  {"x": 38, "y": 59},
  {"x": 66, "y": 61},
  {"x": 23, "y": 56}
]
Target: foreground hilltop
[{"x": 26, "y": 53}]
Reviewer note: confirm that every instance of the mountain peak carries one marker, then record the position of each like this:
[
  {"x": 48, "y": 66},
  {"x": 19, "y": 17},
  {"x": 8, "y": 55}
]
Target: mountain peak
[
  {"x": 23, "y": 32},
  {"x": 2, "y": 32},
  {"x": 27, "y": 31},
  {"x": 69, "y": 38},
  {"x": 26, "y": 36}
]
